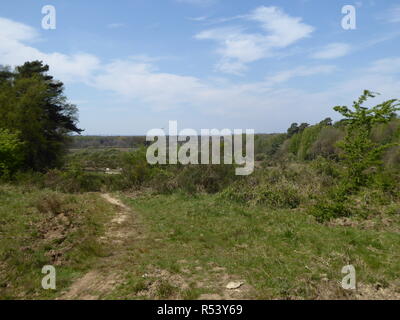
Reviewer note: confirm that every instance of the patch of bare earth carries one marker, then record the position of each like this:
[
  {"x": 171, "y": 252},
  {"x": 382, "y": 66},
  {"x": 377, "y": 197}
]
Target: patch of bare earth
[
  {"x": 91, "y": 286},
  {"x": 96, "y": 283},
  {"x": 376, "y": 292},
  {"x": 333, "y": 291},
  {"x": 213, "y": 280}
]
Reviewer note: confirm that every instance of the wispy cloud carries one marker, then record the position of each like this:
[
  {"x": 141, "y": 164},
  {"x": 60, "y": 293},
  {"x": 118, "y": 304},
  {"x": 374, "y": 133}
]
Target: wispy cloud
[
  {"x": 302, "y": 71},
  {"x": 14, "y": 50},
  {"x": 14, "y": 31},
  {"x": 386, "y": 66},
  {"x": 332, "y": 51},
  {"x": 394, "y": 15},
  {"x": 197, "y": 19},
  {"x": 237, "y": 47},
  {"x": 115, "y": 25}
]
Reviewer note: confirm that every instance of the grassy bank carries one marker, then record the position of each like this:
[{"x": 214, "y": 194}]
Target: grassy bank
[{"x": 41, "y": 227}]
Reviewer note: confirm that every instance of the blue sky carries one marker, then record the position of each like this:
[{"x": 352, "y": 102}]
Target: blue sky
[{"x": 133, "y": 65}]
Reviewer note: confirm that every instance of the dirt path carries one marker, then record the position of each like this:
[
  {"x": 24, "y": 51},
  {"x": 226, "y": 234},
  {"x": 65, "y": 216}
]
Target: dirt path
[
  {"x": 98, "y": 282},
  {"x": 124, "y": 232}
]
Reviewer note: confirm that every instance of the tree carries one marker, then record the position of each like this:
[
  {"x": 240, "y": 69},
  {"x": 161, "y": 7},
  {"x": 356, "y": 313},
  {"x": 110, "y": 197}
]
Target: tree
[
  {"x": 33, "y": 104},
  {"x": 294, "y": 128},
  {"x": 326, "y": 123},
  {"x": 303, "y": 127},
  {"x": 360, "y": 153}
]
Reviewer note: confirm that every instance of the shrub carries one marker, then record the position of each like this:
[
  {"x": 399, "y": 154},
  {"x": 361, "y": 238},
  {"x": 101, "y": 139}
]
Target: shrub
[
  {"x": 135, "y": 168},
  {"x": 11, "y": 153},
  {"x": 280, "y": 195},
  {"x": 205, "y": 178},
  {"x": 275, "y": 188},
  {"x": 332, "y": 205}
]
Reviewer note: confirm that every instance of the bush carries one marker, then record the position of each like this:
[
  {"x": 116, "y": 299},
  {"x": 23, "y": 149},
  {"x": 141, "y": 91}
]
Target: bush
[
  {"x": 328, "y": 210},
  {"x": 135, "y": 168},
  {"x": 205, "y": 178},
  {"x": 325, "y": 144},
  {"x": 332, "y": 205},
  {"x": 280, "y": 195},
  {"x": 11, "y": 153},
  {"x": 327, "y": 167},
  {"x": 275, "y": 188}
]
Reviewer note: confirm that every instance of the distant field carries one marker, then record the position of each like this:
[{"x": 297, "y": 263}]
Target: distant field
[
  {"x": 95, "y": 149},
  {"x": 105, "y": 142}
]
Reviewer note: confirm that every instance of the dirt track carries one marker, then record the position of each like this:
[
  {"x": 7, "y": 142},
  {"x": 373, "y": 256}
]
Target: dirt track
[{"x": 96, "y": 283}]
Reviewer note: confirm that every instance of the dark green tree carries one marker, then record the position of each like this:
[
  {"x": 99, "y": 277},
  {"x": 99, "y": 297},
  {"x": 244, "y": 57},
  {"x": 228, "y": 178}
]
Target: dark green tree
[
  {"x": 294, "y": 128},
  {"x": 326, "y": 123},
  {"x": 33, "y": 104},
  {"x": 303, "y": 127}
]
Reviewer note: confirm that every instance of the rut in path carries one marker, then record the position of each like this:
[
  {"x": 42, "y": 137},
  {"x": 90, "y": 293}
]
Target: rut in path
[{"x": 96, "y": 282}]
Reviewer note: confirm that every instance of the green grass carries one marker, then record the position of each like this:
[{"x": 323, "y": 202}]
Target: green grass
[
  {"x": 281, "y": 253},
  {"x": 181, "y": 246},
  {"x": 42, "y": 227}
]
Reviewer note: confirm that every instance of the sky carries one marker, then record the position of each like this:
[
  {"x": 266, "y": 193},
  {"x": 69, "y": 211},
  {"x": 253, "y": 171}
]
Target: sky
[{"x": 134, "y": 65}]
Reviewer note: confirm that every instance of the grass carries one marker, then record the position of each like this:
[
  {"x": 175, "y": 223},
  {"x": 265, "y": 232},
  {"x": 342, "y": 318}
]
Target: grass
[
  {"x": 187, "y": 246},
  {"x": 43, "y": 227},
  {"x": 280, "y": 254}
]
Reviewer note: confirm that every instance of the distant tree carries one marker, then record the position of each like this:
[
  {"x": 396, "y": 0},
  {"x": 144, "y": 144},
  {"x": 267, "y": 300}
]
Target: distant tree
[
  {"x": 359, "y": 151},
  {"x": 33, "y": 104},
  {"x": 303, "y": 127},
  {"x": 326, "y": 123},
  {"x": 294, "y": 128}
]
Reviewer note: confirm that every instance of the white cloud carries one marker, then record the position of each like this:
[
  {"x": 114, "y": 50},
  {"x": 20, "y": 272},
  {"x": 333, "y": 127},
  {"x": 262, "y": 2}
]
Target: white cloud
[
  {"x": 15, "y": 51},
  {"x": 136, "y": 80},
  {"x": 283, "y": 30},
  {"x": 332, "y": 51},
  {"x": 15, "y": 31},
  {"x": 301, "y": 71},
  {"x": 238, "y": 47}
]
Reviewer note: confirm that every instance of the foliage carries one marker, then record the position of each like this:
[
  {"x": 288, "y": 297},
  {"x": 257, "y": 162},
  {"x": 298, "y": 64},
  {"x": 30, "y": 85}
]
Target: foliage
[
  {"x": 361, "y": 159},
  {"x": 11, "y": 153},
  {"x": 33, "y": 104},
  {"x": 135, "y": 167},
  {"x": 360, "y": 153}
]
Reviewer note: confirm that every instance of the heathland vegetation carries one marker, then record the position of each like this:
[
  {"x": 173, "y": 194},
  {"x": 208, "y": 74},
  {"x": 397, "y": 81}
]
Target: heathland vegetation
[{"x": 322, "y": 196}]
